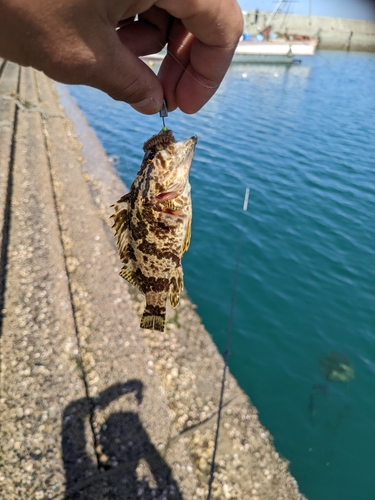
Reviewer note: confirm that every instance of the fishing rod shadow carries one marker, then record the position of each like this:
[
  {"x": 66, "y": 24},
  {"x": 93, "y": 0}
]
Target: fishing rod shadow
[{"x": 120, "y": 444}]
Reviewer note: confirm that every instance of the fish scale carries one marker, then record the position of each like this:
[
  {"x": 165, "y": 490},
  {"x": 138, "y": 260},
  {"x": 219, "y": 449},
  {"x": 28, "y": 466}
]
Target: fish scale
[{"x": 152, "y": 224}]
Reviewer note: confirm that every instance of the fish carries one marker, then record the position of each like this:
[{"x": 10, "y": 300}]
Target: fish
[{"x": 152, "y": 224}]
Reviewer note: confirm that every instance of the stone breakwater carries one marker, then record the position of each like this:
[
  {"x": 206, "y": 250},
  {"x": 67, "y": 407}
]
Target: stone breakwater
[
  {"x": 92, "y": 407},
  {"x": 334, "y": 33}
]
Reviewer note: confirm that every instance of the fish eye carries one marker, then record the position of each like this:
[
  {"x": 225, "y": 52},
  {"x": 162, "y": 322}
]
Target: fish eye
[{"x": 150, "y": 154}]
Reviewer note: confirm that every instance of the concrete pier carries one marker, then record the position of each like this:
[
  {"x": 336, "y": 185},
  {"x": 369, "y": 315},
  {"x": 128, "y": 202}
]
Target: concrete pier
[
  {"x": 91, "y": 406},
  {"x": 333, "y": 33}
]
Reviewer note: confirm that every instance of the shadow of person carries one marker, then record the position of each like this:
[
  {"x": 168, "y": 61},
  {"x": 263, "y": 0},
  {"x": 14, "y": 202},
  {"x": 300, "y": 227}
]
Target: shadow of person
[{"x": 130, "y": 466}]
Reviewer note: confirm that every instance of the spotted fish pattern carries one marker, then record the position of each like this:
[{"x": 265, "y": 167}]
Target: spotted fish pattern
[{"x": 153, "y": 224}]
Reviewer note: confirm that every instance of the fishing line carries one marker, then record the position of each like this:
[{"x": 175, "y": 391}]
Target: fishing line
[
  {"x": 164, "y": 113},
  {"x": 183, "y": 67},
  {"x": 227, "y": 352}
]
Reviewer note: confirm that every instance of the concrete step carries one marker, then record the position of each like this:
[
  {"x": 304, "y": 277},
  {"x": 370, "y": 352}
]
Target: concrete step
[{"x": 39, "y": 375}]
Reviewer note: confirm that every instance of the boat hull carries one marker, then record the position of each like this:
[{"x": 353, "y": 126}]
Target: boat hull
[
  {"x": 273, "y": 51},
  {"x": 280, "y": 52},
  {"x": 262, "y": 59}
]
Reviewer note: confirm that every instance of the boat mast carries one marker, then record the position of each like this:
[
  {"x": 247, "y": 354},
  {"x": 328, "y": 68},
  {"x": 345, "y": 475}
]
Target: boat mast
[{"x": 275, "y": 10}]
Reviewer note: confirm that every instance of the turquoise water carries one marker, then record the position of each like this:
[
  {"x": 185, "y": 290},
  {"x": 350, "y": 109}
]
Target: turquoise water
[{"x": 303, "y": 139}]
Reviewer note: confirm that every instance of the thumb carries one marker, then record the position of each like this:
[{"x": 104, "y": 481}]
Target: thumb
[{"x": 124, "y": 77}]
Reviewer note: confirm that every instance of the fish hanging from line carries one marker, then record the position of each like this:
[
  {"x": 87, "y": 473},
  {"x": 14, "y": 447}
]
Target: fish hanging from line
[{"x": 153, "y": 224}]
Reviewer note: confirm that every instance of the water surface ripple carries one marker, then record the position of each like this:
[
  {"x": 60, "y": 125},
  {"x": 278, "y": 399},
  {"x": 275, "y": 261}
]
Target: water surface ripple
[{"x": 302, "y": 138}]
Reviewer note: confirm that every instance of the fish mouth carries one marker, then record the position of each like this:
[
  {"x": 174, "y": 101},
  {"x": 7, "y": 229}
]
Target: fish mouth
[
  {"x": 184, "y": 152},
  {"x": 185, "y": 148},
  {"x": 191, "y": 142}
]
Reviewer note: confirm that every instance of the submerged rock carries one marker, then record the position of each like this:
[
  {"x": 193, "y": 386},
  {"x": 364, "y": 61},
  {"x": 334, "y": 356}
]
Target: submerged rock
[{"x": 337, "y": 367}]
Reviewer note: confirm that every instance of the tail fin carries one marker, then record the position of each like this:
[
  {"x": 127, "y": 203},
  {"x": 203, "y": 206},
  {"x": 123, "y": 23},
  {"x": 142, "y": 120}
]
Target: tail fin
[{"x": 153, "y": 322}]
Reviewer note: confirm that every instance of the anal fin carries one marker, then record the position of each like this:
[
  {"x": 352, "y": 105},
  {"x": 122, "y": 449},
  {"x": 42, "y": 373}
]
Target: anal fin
[
  {"x": 187, "y": 236},
  {"x": 128, "y": 274},
  {"x": 176, "y": 286}
]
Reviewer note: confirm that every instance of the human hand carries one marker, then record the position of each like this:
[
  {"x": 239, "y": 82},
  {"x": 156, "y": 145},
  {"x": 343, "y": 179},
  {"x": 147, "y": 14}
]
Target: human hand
[{"x": 80, "y": 42}]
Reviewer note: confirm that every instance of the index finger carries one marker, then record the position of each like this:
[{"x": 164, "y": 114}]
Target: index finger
[{"x": 216, "y": 26}]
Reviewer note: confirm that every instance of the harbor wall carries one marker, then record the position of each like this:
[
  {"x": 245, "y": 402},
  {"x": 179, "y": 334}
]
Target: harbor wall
[
  {"x": 333, "y": 33},
  {"x": 92, "y": 406}
]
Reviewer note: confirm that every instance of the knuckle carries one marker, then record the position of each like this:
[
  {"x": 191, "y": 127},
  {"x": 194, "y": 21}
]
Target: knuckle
[{"x": 236, "y": 23}]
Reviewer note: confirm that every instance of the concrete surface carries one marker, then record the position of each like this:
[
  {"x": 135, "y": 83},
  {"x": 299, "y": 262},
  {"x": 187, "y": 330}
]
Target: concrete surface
[{"x": 91, "y": 406}]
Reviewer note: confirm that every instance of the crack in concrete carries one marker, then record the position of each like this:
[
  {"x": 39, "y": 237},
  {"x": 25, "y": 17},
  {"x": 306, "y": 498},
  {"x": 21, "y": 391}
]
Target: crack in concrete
[
  {"x": 27, "y": 106},
  {"x": 6, "y": 219},
  {"x": 189, "y": 430},
  {"x": 83, "y": 374}
]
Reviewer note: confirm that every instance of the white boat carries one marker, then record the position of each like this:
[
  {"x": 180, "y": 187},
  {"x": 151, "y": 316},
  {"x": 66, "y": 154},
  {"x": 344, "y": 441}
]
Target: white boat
[
  {"x": 265, "y": 47},
  {"x": 273, "y": 51},
  {"x": 274, "y": 47},
  {"x": 267, "y": 51}
]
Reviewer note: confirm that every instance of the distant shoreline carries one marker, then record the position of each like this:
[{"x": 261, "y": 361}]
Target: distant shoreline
[{"x": 333, "y": 33}]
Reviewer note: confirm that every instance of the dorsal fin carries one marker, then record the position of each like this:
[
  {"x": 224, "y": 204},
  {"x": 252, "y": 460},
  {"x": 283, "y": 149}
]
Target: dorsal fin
[
  {"x": 121, "y": 226},
  {"x": 159, "y": 141}
]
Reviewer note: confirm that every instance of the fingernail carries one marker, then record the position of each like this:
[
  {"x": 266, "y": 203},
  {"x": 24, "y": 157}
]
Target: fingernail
[{"x": 148, "y": 106}]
